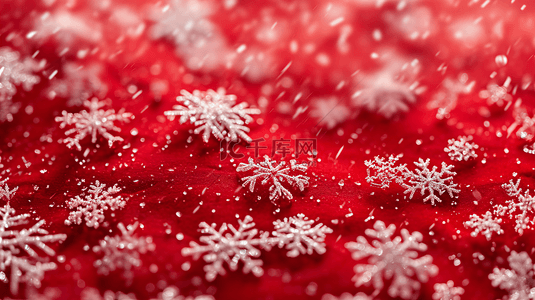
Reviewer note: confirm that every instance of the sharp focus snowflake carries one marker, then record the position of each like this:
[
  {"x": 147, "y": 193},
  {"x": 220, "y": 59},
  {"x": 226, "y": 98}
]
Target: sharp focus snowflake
[
  {"x": 521, "y": 207},
  {"x": 295, "y": 233},
  {"x": 486, "y": 225},
  {"x": 17, "y": 253},
  {"x": 347, "y": 296},
  {"x": 14, "y": 72},
  {"x": 92, "y": 122},
  {"x": 461, "y": 149},
  {"x": 447, "y": 291},
  {"x": 122, "y": 252},
  {"x": 431, "y": 181},
  {"x": 238, "y": 245},
  {"x": 92, "y": 204},
  {"x": 381, "y": 172},
  {"x": 214, "y": 113},
  {"x": 5, "y": 192},
  {"x": 274, "y": 174},
  {"x": 518, "y": 281},
  {"x": 393, "y": 259}
]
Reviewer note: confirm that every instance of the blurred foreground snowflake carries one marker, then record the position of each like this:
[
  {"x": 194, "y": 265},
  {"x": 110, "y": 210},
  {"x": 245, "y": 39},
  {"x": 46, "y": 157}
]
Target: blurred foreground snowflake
[
  {"x": 214, "y": 113},
  {"x": 447, "y": 291},
  {"x": 347, "y": 296},
  {"x": 526, "y": 131},
  {"x": 78, "y": 84},
  {"x": 521, "y": 207},
  {"x": 496, "y": 94},
  {"x": 393, "y": 259},
  {"x": 381, "y": 172},
  {"x": 486, "y": 225},
  {"x": 445, "y": 100},
  {"x": 17, "y": 253},
  {"x": 274, "y": 174},
  {"x": 517, "y": 281},
  {"x": 461, "y": 149},
  {"x": 92, "y": 203}
]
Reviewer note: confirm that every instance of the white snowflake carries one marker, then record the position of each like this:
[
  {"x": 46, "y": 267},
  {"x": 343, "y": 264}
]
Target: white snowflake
[
  {"x": 385, "y": 171},
  {"x": 486, "y": 225},
  {"x": 447, "y": 291},
  {"x": 517, "y": 281},
  {"x": 445, "y": 100},
  {"x": 330, "y": 112},
  {"x": 496, "y": 94},
  {"x": 238, "y": 245},
  {"x": 16, "y": 249},
  {"x": 526, "y": 131},
  {"x": 173, "y": 293},
  {"x": 14, "y": 72},
  {"x": 274, "y": 174},
  {"x": 432, "y": 181},
  {"x": 214, "y": 113},
  {"x": 90, "y": 293},
  {"x": 293, "y": 232},
  {"x": 521, "y": 207},
  {"x": 92, "y": 122},
  {"x": 347, "y": 296},
  {"x": 122, "y": 252},
  {"x": 461, "y": 149},
  {"x": 5, "y": 192},
  {"x": 92, "y": 204},
  {"x": 393, "y": 259}
]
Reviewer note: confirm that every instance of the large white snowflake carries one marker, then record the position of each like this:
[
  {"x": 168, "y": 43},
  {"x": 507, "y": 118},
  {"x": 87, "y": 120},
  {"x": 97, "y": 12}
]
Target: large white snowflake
[
  {"x": 92, "y": 203},
  {"x": 122, "y": 252},
  {"x": 17, "y": 254},
  {"x": 521, "y": 207},
  {"x": 431, "y": 181},
  {"x": 461, "y": 148},
  {"x": 486, "y": 225},
  {"x": 214, "y": 113},
  {"x": 231, "y": 246},
  {"x": 274, "y": 174},
  {"x": 14, "y": 72},
  {"x": 447, "y": 291},
  {"x": 392, "y": 258},
  {"x": 382, "y": 171},
  {"x": 295, "y": 233},
  {"x": 517, "y": 281},
  {"x": 91, "y": 123}
]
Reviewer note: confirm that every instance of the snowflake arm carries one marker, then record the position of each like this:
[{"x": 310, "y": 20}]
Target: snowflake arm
[
  {"x": 297, "y": 232},
  {"x": 275, "y": 175},
  {"x": 92, "y": 204},
  {"x": 231, "y": 246},
  {"x": 5, "y": 192},
  {"x": 447, "y": 291},
  {"x": 431, "y": 181},
  {"x": 486, "y": 225},
  {"x": 461, "y": 149},
  {"x": 214, "y": 113},
  {"x": 395, "y": 259},
  {"x": 521, "y": 207},
  {"x": 517, "y": 281},
  {"x": 381, "y": 172}
]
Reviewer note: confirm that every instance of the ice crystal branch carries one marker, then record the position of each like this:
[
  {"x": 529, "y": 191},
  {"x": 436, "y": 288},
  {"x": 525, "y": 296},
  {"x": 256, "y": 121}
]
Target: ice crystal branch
[
  {"x": 461, "y": 149},
  {"x": 486, "y": 225},
  {"x": 392, "y": 258},
  {"x": 521, "y": 207},
  {"x": 518, "y": 281},
  {"x": 274, "y": 174},
  {"x": 214, "y": 113},
  {"x": 381, "y": 172},
  {"x": 91, "y": 123},
  {"x": 17, "y": 252},
  {"x": 92, "y": 203},
  {"x": 122, "y": 252},
  {"x": 447, "y": 291},
  {"x": 229, "y": 246},
  {"x": 295, "y": 233},
  {"x": 5, "y": 192}
]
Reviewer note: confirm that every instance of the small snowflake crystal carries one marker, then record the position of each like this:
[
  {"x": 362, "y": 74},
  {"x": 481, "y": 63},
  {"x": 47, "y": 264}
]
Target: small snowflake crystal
[
  {"x": 173, "y": 293},
  {"x": 17, "y": 249},
  {"x": 461, "y": 149},
  {"x": 238, "y": 245},
  {"x": 381, "y": 172},
  {"x": 431, "y": 181},
  {"x": 122, "y": 251},
  {"x": 274, "y": 174},
  {"x": 347, "y": 296},
  {"x": 517, "y": 281},
  {"x": 92, "y": 204},
  {"x": 214, "y": 113},
  {"x": 5, "y": 192},
  {"x": 486, "y": 225},
  {"x": 526, "y": 131},
  {"x": 496, "y": 94},
  {"x": 92, "y": 122},
  {"x": 293, "y": 232},
  {"x": 393, "y": 259},
  {"x": 447, "y": 291},
  {"x": 521, "y": 207}
]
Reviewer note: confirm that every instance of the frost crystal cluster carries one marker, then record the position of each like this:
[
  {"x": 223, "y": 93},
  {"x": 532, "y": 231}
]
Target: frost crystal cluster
[
  {"x": 461, "y": 149},
  {"x": 521, "y": 207},
  {"x": 214, "y": 113},
  {"x": 91, "y": 204},
  {"x": 14, "y": 72},
  {"x": 517, "y": 281},
  {"x": 392, "y": 258},
  {"x": 297, "y": 232},
  {"x": 274, "y": 174},
  {"x": 91, "y": 123},
  {"x": 20, "y": 247},
  {"x": 485, "y": 225},
  {"x": 382, "y": 171},
  {"x": 122, "y": 251}
]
